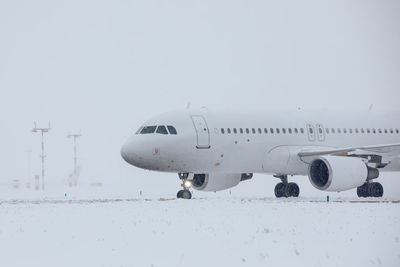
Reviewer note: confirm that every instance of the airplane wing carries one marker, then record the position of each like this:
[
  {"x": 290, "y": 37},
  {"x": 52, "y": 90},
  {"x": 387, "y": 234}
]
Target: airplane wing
[{"x": 381, "y": 150}]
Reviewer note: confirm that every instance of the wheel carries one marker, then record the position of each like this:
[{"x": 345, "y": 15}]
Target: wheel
[
  {"x": 179, "y": 194},
  {"x": 375, "y": 190},
  {"x": 292, "y": 190},
  {"x": 279, "y": 190},
  {"x": 362, "y": 191},
  {"x": 186, "y": 194},
  {"x": 379, "y": 190}
]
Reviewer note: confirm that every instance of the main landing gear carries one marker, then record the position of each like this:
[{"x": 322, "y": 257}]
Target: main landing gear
[
  {"x": 185, "y": 193},
  {"x": 285, "y": 189},
  {"x": 370, "y": 190}
]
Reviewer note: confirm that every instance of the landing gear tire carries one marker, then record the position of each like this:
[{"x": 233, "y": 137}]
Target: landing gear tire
[
  {"x": 370, "y": 190},
  {"x": 287, "y": 190},
  {"x": 375, "y": 190},
  {"x": 185, "y": 194},
  {"x": 292, "y": 190},
  {"x": 362, "y": 191},
  {"x": 280, "y": 190}
]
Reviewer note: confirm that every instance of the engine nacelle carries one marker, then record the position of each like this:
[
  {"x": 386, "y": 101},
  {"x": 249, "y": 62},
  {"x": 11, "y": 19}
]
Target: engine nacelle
[
  {"x": 336, "y": 173},
  {"x": 218, "y": 181}
]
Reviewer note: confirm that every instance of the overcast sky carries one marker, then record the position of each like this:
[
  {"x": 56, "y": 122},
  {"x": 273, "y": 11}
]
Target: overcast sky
[{"x": 107, "y": 66}]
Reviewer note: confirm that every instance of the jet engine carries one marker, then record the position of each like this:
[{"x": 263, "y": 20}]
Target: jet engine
[
  {"x": 336, "y": 173},
  {"x": 218, "y": 181}
]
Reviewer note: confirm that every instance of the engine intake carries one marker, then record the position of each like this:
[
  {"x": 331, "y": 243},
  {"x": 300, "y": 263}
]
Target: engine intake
[
  {"x": 199, "y": 181},
  {"x": 336, "y": 173}
]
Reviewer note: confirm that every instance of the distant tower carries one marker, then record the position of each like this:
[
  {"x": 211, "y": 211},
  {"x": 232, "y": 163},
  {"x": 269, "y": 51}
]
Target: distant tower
[
  {"x": 42, "y": 131},
  {"x": 75, "y": 174}
]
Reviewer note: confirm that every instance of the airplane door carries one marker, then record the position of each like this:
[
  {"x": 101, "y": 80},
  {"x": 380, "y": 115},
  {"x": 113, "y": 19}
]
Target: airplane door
[
  {"x": 311, "y": 132},
  {"x": 320, "y": 132},
  {"x": 203, "y": 134}
]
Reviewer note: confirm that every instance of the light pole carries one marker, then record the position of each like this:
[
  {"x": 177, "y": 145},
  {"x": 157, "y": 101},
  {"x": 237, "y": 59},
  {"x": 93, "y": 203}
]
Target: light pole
[
  {"x": 42, "y": 131},
  {"x": 75, "y": 175}
]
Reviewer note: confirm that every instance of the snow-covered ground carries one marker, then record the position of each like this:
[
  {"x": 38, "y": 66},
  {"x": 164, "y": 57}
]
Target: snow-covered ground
[{"x": 210, "y": 231}]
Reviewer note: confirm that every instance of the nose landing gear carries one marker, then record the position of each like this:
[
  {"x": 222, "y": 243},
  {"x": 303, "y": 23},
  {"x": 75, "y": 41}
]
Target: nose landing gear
[
  {"x": 285, "y": 189},
  {"x": 185, "y": 194},
  {"x": 186, "y": 183}
]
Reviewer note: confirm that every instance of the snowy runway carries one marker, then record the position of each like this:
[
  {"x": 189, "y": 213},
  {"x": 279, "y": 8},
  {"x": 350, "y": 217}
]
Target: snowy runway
[{"x": 199, "y": 232}]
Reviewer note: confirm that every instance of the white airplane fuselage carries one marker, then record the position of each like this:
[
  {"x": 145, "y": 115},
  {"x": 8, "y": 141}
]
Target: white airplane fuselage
[{"x": 212, "y": 142}]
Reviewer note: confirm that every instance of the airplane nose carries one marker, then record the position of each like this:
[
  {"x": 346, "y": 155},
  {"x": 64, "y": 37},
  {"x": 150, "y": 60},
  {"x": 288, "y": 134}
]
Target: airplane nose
[
  {"x": 136, "y": 152},
  {"x": 127, "y": 152},
  {"x": 124, "y": 152}
]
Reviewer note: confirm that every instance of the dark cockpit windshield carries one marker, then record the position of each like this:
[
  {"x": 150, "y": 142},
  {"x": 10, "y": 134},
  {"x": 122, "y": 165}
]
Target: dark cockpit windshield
[
  {"x": 171, "y": 129},
  {"x": 160, "y": 129},
  {"x": 148, "y": 129}
]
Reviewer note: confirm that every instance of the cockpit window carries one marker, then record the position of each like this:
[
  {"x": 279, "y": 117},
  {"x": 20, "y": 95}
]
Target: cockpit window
[
  {"x": 171, "y": 129},
  {"x": 162, "y": 130},
  {"x": 148, "y": 129},
  {"x": 138, "y": 131}
]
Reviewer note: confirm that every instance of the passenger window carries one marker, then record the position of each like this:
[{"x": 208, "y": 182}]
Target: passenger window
[
  {"x": 327, "y": 130},
  {"x": 344, "y": 130},
  {"x": 333, "y": 130},
  {"x": 247, "y": 130},
  {"x": 241, "y": 130},
  {"x": 277, "y": 130},
  {"x": 368, "y": 131},
  {"x": 222, "y": 130},
  {"x": 271, "y": 130},
  {"x": 373, "y": 130},
  {"x": 259, "y": 130},
  {"x": 339, "y": 131},
  {"x": 386, "y": 131},
  {"x": 311, "y": 130},
  {"x": 234, "y": 131},
  {"x": 356, "y": 130},
  {"x": 302, "y": 130},
  {"x": 296, "y": 131},
  {"x": 283, "y": 130},
  {"x": 253, "y": 130},
  {"x": 391, "y": 131},
  {"x": 397, "y": 131},
  {"x": 362, "y": 130},
  {"x": 350, "y": 130},
  {"x": 379, "y": 130},
  {"x": 148, "y": 129},
  {"x": 172, "y": 129},
  {"x": 161, "y": 130},
  {"x": 265, "y": 130},
  {"x": 290, "y": 130},
  {"x": 228, "y": 130},
  {"x": 320, "y": 130}
]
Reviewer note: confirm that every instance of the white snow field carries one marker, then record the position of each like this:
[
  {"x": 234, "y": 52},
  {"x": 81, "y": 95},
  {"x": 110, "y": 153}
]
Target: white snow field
[{"x": 228, "y": 231}]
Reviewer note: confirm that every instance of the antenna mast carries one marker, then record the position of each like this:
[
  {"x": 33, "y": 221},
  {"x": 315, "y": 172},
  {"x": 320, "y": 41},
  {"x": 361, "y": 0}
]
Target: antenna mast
[
  {"x": 75, "y": 174},
  {"x": 42, "y": 131}
]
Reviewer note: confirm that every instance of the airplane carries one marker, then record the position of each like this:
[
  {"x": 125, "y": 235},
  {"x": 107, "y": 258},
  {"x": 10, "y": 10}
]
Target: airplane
[{"x": 213, "y": 150}]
